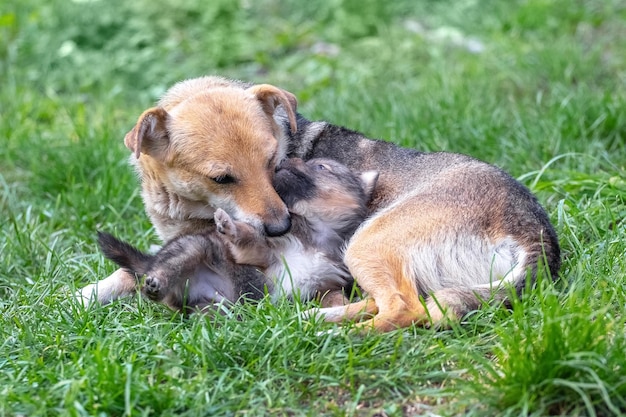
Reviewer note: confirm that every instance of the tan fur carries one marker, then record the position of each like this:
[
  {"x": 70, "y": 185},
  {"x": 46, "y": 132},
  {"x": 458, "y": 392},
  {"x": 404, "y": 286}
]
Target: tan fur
[
  {"x": 203, "y": 130},
  {"x": 221, "y": 132}
]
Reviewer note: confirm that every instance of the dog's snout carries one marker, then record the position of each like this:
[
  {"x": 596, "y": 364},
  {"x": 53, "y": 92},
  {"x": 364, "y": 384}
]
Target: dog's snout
[{"x": 278, "y": 228}]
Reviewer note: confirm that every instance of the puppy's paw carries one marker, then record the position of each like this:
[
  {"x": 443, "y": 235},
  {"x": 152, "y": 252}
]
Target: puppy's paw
[
  {"x": 152, "y": 288},
  {"x": 225, "y": 224}
]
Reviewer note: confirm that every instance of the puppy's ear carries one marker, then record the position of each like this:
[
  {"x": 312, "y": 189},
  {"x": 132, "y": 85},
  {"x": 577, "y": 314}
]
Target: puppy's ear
[
  {"x": 270, "y": 97},
  {"x": 368, "y": 180},
  {"x": 149, "y": 134}
]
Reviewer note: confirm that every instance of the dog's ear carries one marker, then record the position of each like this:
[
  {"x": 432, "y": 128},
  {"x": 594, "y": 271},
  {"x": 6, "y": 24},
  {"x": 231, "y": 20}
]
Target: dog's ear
[
  {"x": 368, "y": 180},
  {"x": 149, "y": 134},
  {"x": 271, "y": 96}
]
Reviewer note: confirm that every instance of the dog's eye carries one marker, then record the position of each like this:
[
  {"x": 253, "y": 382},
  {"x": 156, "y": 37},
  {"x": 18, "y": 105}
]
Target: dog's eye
[
  {"x": 321, "y": 167},
  {"x": 223, "y": 179}
]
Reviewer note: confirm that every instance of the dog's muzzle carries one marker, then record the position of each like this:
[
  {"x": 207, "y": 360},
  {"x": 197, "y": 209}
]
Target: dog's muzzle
[{"x": 278, "y": 228}]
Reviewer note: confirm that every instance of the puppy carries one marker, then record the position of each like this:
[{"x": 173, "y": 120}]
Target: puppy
[
  {"x": 445, "y": 232},
  {"x": 209, "y": 143},
  {"x": 190, "y": 273},
  {"x": 327, "y": 201}
]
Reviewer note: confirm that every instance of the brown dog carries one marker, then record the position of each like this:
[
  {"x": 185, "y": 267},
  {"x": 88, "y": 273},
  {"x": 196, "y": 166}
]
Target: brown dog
[
  {"x": 446, "y": 232},
  {"x": 209, "y": 143}
]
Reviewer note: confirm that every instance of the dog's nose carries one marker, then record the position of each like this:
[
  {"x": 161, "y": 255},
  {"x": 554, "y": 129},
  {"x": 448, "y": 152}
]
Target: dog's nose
[{"x": 278, "y": 228}]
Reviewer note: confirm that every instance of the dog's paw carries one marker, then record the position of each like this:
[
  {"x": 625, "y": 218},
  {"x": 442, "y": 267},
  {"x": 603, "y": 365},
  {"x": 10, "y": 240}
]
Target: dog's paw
[
  {"x": 152, "y": 288},
  {"x": 104, "y": 291},
  {"x": 87, "y": 296},
  {"x": 318, "y": 315},
  {"x": 313, "y": 314},
  {"x": 224, "y": 223},
  {"x": 328, "y": 314}
]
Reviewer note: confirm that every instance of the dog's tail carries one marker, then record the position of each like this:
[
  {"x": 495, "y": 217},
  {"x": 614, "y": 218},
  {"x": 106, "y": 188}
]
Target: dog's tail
[{"x": 124, "y": 254}]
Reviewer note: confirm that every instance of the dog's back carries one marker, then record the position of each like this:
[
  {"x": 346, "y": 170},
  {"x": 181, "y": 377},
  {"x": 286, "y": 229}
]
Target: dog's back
[{"x": 480, "y": 194}]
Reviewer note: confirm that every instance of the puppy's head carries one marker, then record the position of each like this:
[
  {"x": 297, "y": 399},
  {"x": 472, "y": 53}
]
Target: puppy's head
[
  {"x": 325, "y": 190},
  {"x": 217, "y": 148}
]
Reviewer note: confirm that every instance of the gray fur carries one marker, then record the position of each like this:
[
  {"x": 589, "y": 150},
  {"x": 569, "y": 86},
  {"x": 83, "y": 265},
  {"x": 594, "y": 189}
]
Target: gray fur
[{"x": 187, "y": 274}]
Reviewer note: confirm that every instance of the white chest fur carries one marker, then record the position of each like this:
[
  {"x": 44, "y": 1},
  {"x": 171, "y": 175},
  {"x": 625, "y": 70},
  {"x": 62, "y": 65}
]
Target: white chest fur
[{"x": 302, "y": 272}]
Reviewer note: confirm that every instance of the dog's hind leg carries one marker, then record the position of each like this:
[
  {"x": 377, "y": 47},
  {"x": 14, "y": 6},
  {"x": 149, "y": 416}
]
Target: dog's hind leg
[
  {"x": 380, "y": 257},
  {"x": 384, "y": 279},
  {"x": 433, "y": 271},
  {"x": 392, "y": 299}
]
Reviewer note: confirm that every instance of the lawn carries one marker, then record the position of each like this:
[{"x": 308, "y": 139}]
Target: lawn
[{"x": 537, "y": 87}]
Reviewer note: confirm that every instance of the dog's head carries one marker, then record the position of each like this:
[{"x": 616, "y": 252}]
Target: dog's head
[
  {"x": 209, "y": 146},
  {"x": 325, "y": 191}
]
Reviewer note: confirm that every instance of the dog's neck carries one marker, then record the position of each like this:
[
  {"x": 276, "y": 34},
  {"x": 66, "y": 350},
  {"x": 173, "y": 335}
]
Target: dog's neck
[
  {"x": 173, "y": 215},
  {"x": 168, "y": 227}
]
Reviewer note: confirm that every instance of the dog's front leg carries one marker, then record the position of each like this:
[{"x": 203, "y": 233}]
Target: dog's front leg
[{"x": 119, "y": 284}]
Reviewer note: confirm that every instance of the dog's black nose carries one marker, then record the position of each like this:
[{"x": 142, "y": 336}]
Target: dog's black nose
[{"x": 279, "y": 228}]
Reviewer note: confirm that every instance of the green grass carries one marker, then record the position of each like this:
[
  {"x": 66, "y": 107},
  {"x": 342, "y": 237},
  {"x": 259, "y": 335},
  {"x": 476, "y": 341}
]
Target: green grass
[{"x": 543, "y": 95}]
